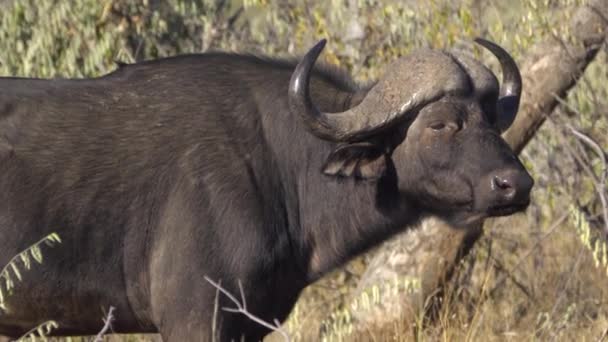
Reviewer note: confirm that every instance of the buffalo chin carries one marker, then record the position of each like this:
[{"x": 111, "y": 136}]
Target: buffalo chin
[
  {"x": 469, "y": 218},
  {"x": 506, "y": 210}
]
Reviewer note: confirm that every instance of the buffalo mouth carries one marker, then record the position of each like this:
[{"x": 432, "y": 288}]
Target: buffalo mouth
[{"x": 508, "y": 209}]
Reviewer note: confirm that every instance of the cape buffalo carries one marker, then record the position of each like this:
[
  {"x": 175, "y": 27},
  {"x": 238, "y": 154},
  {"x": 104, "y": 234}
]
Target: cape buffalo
[{"x": 244, "y": 169}]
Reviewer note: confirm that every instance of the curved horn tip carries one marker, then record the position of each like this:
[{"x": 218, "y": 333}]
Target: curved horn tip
[
  {"x": 493, "y": 47},
  {"x": 510, "y": 90},
  {"x": 315, "y": 51},
  {"x": 321, "y": 43},
  {"x": 299, "y": 79},
  {"x": 482, "y": 41},
  {"x": 511, "y": 72}
]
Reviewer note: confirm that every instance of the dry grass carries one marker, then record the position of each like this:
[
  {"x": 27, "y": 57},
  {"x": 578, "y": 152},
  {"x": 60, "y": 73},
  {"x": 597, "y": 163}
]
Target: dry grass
[{"x": 520, "y": 283}]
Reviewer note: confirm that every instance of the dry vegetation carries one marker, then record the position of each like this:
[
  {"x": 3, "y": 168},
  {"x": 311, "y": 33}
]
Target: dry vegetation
[{"x": 538, "y": 276}]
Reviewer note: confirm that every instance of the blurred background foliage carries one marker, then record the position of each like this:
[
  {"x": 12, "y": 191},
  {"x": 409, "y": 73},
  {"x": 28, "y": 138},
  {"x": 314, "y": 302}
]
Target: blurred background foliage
[
  {"x": 49, "y": 38},
  {"x": 534, "y": 276}
]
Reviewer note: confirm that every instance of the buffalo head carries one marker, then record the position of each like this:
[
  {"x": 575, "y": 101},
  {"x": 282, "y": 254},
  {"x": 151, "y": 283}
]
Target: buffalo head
[{"x": 433, "y": 122}]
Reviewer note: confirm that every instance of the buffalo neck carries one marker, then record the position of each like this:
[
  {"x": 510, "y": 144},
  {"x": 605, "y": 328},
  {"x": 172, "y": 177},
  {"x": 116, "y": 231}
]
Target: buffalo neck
[
  {"x": 342, "y": 218},
  {"x": 329, "y": 219}
]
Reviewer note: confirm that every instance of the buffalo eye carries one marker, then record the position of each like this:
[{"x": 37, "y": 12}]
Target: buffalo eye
[{"x": 439, "y": 126}]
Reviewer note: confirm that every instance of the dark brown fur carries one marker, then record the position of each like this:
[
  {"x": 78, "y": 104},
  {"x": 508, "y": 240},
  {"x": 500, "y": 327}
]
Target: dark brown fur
[{"x": 166, "y": 171}]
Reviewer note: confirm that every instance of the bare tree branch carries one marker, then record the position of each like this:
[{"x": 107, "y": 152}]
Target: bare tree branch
[
  {"x": 600, "y": 186},
  {"x": 107, "y": 325},
  {"x": 553, "y": 67},
  {"x": 241, "y": 307}
]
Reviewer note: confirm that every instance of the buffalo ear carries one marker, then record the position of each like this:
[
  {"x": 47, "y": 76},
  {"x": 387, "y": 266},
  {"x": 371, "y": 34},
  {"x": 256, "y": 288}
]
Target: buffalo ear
[{"x": 362, "y": 160}]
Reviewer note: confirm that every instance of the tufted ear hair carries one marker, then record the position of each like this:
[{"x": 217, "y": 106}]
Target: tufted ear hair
[{"x": 363, "y": 160}]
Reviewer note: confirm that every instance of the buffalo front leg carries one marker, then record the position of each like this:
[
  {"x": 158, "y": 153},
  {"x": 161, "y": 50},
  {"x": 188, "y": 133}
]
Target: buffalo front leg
[{"x": 193, "y": 243}]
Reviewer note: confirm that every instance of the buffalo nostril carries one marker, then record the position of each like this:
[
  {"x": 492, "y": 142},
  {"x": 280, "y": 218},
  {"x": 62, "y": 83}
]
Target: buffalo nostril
[
  {"x": 501, "y": 183},
  {"x": 512, "y": 186},
  {"x": 505, "y": 186}
]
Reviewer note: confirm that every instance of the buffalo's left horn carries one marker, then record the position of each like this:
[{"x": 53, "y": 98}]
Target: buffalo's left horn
[
  {"x": 356, "y": 123},
  {"x": 510, "y": 89}
]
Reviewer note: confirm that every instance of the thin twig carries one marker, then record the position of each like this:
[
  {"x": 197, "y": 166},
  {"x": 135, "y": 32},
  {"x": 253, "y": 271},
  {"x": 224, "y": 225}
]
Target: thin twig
[
  {"x": 106, "y": 326},
  {"x": 598, "y": 182},
  {"x": 601, "y": 186},
  {"x": 553, "y": 227},
  {"x": 604, "y": 336},
  {"x": 563, "y": 293},
  {"x": 585, "y": 138},
  {"x": 598, "y": 150},
  {"x": 576, "y": 156},
  {"x": 216, "y": 308},
  {"x": 241, "y": 307},
  {"x": 519, "y": 284}
]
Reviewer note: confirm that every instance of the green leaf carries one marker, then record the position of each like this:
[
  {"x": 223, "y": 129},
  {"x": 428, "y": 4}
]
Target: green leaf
[
  {"x": 16, "y": 270},
  {"x": 54, "y": 237},
  {"x": 43, "y": 330},
  {"x": 8, "y": 281},
  {"x": 36, "y": 253},
  {"x": 26, "y": 260}
]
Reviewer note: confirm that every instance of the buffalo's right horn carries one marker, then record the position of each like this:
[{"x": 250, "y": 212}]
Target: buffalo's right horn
[{"x": 354, "y": 124}]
